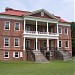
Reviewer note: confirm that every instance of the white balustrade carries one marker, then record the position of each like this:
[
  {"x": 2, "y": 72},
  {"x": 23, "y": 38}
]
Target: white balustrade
[{"x": 43, "y": 33}]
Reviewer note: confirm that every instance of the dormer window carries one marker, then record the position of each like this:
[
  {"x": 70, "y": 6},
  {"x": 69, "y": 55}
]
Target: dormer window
[{"x": 42, "y": 14}]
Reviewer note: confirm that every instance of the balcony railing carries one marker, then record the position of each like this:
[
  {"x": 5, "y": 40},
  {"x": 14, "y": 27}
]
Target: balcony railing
[{"x": 40, "y": 33}]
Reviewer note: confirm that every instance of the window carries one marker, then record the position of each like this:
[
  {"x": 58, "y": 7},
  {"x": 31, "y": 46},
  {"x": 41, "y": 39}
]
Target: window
[
  {"x": 60, "y": 30},
  {"x": 16, "y": 54},
  {"x": 66, "y": 44},
  {"x": 44, "y": 44},
  {"x": 16, "y": 42},
  {"x": 52, "y": 30},
  {"x": 6, "y": 54},
  {"x": 17, "y": 26},
  {"x": 66, "y": 30},
  {"x": 42, "y": 14},
  {"x": 6, "y": 41},
  {"x": 27, "y": 43},
  {"x": 7, "y": 25},
  {"x": 60, "y": 44},
  {"x": 27, "y": 28},
  {"x": 44, "y": 30}
]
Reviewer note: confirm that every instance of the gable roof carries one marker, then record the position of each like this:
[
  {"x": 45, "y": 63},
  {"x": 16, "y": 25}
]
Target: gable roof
[
  {"x": 42, "y": 10},
  {"x": 13, "y": 12}
]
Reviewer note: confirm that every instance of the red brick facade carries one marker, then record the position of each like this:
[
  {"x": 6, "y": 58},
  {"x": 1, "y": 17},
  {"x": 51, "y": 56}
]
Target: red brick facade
[{"x": 19, "y": 34}]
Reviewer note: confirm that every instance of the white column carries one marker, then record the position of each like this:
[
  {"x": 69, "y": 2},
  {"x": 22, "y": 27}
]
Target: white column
[
  {"x": 47, "y": 44},
  {"x": 24, "y": 44},
  {"x": 57, "y": 28},
  {"x": 47, "y": 28},
  {"x": 36, "y": 43},
  {"x": 58, "y": 44},
  {"x": 36, "y": 27},
  {"x": 24, "y": 24}
]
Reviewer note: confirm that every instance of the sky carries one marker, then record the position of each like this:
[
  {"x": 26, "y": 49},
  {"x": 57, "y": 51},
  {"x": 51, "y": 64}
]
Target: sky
[{"x": 62, "y": 8}]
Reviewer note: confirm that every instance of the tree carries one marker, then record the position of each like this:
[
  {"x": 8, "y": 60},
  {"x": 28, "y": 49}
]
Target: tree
[{"x": 73, "y": 37}]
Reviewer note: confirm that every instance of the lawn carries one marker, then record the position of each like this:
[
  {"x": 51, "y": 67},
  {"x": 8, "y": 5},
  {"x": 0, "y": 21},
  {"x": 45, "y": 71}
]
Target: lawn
[{"x": 30, "y": 68}]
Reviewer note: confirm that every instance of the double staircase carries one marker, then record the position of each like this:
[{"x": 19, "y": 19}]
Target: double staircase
[{"x": 39, "y": 57}]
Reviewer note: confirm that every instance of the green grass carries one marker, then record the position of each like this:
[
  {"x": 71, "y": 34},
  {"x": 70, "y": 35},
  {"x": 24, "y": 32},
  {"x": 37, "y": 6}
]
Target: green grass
[{"x": 30, "y": 68}]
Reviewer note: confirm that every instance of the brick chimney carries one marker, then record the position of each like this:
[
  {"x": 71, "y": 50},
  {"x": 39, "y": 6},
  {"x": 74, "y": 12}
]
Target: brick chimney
[{"x": 7, "y": 9}]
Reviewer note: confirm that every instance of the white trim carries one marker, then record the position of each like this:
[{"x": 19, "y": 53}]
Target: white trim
[
  {"x": 14, "y": 55},
  {"x": 24, "y": 44},
  {"x": 67, "y": 31},
  {"x": 21, "y": 54},
  {"x": 64, "y": 24},
  {"x": 41, "y": 19},
  {"x": 4, "y": 54},
  {"x": 61, "y": 30},
  {"x": 61, "y": 44},
  {"x": 24, "y": 24},
  {"x": 68, "y": 44},
  {"x": 11, "y": 17},
  {"x": 5, "y": 24},
  {"x": 28, "y": 41},
  {"x": 18, "y": 42},
  {"x": 15, "y": 24},
  {"x": 36, "y": 44},
  {"x": 42, "y": 36},
  {"x": 42, "y": 10},
  {"x": 8, "y": 42}
]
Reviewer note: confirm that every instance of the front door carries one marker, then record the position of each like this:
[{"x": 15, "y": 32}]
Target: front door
[
  {"x": 52, "y": 44},
  {"x": 38, "y": 45}
]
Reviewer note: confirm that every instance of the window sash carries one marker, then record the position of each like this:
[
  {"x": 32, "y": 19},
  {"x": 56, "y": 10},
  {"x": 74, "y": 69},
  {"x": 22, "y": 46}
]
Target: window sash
[
  {"x": 7, "y": 25},
  {"x": 6, "y": 41},
  {"x": 17, "y": 26},
  {"x": 66, "y": 44},
  {"x": 27, "y": 43},
  {"x": 60, "y": 30},
  {"x": 66, "y": 30},
  {"x": 16, "y": 42},
  {"x": 60, "y": 44},
  {"x": 6, "y": 54},
  {"x": 16, "y": 54}
]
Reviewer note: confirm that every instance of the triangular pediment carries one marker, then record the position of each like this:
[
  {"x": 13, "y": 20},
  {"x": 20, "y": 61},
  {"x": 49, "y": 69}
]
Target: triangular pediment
[{"x": 42, "y": 13}]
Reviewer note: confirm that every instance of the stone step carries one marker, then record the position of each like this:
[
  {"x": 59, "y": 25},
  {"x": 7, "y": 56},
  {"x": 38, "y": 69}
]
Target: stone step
[{"x": 39, "y": 57}]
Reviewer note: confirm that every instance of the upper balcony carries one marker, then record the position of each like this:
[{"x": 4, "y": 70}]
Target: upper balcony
[{"x": 37, "y": 29}]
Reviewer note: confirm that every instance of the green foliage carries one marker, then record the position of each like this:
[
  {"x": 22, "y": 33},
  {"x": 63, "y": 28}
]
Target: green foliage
[{"x": 73, "y": 36}]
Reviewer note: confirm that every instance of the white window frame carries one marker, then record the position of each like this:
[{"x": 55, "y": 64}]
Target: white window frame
[
  {"x": 4, "y": 54},
  {"x": 14, "y": 55},
  {"x": 29, "y": 42},
  {"x": 15, "y": 25},
  {"x": 65, "y": 44},
  {"x": 61, "y": 44},
  {"x": 5, "y": 24},
  {"x": 67, "y": 31},
  {"x": 61, "y": 30},
  {"x": 8, "y": 42},
  {"x": 44, "y": 42},
  {"x": 18, "y": 42}
]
